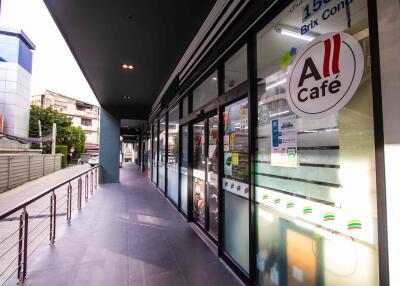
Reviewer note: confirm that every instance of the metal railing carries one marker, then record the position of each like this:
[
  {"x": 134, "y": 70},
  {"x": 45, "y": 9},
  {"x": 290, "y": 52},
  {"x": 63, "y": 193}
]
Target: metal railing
[{"x": 21, "y": 235}]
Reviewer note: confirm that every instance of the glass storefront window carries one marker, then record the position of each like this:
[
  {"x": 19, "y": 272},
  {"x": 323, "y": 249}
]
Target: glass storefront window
[
  {"x": 148, "y": 157},
  {"x": 206, "y": 91},
  {"x": 173, "y": 154},
  {"x": 161, "y": 155},
  {"x": 235, "y": 182},
  {"x": 184, "y": 167},
  {"x": 236, "y": 69},
  {"x": 316, "y": 205},
  {"x": 154, "y": 153}
]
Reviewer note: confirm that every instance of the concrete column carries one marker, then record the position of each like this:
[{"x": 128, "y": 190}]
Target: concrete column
[
  {"x": 109, "y": 148},
  {"x": 389, "y": 41}
]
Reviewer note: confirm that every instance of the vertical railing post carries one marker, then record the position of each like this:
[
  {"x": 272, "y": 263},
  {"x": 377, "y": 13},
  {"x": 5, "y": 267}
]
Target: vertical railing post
[
  {"x": 69, "y": 202},
  {"x": 25, "y": 256},
  {"x": 20, "y": 252},
  {"x": 53, "y": 212},
  {"x": 22, "y": 246},
  {"x": 51, "y": 220},
  {"x": 95, "y": 178},
  {"x": 79, "y": 193},
  {"x": 86, "y": 187},
  {"x": 91, "y": 182},
  {"x": 54, "y": 216}
]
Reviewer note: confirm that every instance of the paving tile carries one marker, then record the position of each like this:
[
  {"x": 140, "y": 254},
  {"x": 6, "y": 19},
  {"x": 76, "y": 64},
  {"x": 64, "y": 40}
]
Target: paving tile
[
  {"x": 127, "y": 234},
  {"x": 166, "y": 279}
]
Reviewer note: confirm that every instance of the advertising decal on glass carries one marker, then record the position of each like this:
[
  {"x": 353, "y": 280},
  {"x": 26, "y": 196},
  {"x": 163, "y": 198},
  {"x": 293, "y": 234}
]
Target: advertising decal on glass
[
  {"x": 325, "y": 75},
  {"x": 228, "y": 164},
  {"x": 235, "y": 187},
  {"x": 226, "y": 142},
  {"x": 284, "y": 142}
]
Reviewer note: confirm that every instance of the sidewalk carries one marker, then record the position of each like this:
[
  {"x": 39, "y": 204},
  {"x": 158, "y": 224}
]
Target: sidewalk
[
  {"x": 24, "y": 192},
  {"x": 38, "y": 213},
  {"x": 127, "y": 234}
]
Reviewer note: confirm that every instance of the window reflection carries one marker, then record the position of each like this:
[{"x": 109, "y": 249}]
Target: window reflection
[
  {"x": 317, "y": 205},
  {"x": 154, "y": 153},
  {"x": 236, "y": 69},
  {"x": 173, "y": 154},
  {"x": 206, "y": 91},
  {"x": 184, "y": 166},
  {"x": 161, "y": 155},
  {"x": 199, "y": 168},
  {"x": 235, "y": 182}
]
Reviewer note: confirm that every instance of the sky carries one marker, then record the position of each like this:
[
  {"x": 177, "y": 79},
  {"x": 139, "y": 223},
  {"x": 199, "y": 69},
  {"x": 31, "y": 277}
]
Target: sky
[{"x": 54, "y": 67}]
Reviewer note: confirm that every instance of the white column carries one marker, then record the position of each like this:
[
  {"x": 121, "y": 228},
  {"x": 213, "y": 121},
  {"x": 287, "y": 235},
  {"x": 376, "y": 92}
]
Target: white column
[{"x": 389, "y": 42}]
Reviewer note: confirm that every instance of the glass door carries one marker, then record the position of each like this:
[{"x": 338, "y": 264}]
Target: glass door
[
  {"x": 199, "y": 172},
  {"x": 205, "y": 174},
  {"x": 184, "y": 166},
  {"x": 212, "y": 175}
]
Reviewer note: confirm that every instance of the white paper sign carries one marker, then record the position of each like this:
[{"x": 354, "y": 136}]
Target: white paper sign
[{"x": 284, "y": 142}]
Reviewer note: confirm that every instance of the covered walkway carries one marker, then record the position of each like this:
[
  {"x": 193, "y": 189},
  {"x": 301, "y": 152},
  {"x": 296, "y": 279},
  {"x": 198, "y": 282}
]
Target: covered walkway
[{"x": 128, "y": 234}]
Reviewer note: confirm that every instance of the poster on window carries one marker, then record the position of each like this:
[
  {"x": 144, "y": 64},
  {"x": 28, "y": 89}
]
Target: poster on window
[
  {"x": 226, "y": 143},
  {"x": 284, "y": 142},
  {"x": 228, "y": 164}
]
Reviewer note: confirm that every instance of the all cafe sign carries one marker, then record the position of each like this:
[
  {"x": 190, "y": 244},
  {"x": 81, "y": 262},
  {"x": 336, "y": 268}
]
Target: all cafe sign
[{"x": 325, "y": 75}]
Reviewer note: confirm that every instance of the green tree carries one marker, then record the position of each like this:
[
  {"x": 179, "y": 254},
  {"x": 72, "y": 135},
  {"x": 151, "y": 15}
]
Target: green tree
[
  {"x": 47, "y": 116},
  {"x": 75, "y": 139},
  {"x": 68, "y": 135}
]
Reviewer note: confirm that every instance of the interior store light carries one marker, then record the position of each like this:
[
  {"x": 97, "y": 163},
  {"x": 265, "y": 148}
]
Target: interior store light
[
  {"x": 294, "y": 34},
  {"x": 275, "y": 84},
  {"x": 279, "y": 113}
]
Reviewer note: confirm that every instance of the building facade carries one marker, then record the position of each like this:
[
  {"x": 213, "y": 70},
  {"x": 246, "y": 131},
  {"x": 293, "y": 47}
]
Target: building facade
[
  {"x": 15, "y": 81},
  {"x": 254, "y": 150},
  {"x": 277, "y": 136},
  {"x": 82, "y": 114}
]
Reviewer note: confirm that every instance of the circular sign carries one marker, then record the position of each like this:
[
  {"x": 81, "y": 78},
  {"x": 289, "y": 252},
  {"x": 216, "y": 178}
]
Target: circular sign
[{"x": 325, "y": 75}]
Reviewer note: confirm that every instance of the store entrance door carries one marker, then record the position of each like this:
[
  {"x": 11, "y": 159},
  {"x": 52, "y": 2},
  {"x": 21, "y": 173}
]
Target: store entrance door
[{"x": 205, "y": 174}]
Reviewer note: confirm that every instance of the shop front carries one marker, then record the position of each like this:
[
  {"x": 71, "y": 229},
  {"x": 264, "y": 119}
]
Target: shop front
[{"x": 272, "y": 151}]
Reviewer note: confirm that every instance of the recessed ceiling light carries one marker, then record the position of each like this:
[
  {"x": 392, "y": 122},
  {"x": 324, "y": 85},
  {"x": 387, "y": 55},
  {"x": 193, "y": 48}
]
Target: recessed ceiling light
[
  {"x": 294, "y": 34},
  {"x": 214, "y": 78},
  {"x": 127, "y": 97},
  {"x": 127, "y": 67}
]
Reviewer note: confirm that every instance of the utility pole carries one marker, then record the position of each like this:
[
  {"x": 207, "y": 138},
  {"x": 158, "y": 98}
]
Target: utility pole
[
  {"x": 53, "y": 139},
  {"x": 40, "y": 132}
]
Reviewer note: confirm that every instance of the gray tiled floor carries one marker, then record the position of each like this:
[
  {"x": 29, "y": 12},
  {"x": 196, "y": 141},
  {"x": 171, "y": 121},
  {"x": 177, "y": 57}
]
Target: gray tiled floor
[{"x": 128, "y": 235}]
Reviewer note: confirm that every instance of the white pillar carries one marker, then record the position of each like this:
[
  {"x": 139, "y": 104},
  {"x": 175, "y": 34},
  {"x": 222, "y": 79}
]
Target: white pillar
[{"x": 389, "y": 42}]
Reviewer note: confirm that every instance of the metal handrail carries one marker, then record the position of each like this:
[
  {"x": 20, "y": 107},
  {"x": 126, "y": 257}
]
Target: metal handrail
[
  {"x": 37, "y": 197},
  {"x": 23, "y": 234}
]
